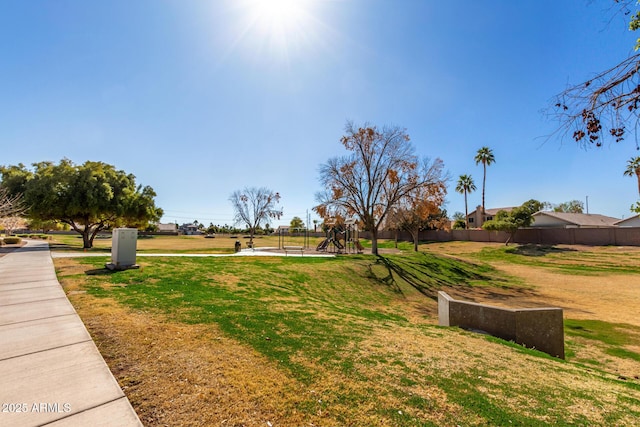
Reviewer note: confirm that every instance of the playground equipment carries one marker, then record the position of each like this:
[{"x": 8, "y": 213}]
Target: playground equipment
[
  {"x": 341, "y": 238},
  {"x": 285, "y": 238}
]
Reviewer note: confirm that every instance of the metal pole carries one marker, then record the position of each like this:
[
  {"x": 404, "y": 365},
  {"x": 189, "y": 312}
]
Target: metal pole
[{"x": 587, "y": 205}]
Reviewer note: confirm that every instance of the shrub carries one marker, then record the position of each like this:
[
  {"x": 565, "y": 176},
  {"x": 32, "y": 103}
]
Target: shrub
[{"x": 12, "y": 240}]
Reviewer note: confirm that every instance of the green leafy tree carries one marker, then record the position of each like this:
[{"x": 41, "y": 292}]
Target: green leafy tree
[
  {"x": 254, "y": 205},
  {"x": 458, "y": 216},
  {"x": 459, "y": 221},
  {"x": 519, "y": 217},
  {"x": 486, "y": 157},
  {"x": 633, "y": 169},
  {"x": 572, "y": 206},
  {"x": 534, "y": 205},
  {"x": 379, "y": 170},
  {"x": 466, "y": 185},
  {"x": 89, "y": 197},
  {"x": 296, "y": 223},
  {"x": 45, "y": 226}
]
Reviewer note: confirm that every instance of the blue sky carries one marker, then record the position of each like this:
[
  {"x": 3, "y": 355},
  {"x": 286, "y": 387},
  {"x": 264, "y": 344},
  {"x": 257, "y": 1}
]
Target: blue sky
[{"x": 200, "y": 98}]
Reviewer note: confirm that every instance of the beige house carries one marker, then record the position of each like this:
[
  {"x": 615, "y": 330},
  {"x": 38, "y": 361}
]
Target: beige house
[
  {"x": 167, "y": 228},
  {"x": 282, "y": 229},
  {"x": 476, "y": 218},
  {"x": 632, "y": 221},
  {"x": 572, "y": 220}
]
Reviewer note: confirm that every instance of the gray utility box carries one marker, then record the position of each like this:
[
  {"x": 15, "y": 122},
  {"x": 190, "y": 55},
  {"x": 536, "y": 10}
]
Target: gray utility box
[{"x": 123, "y": 247}]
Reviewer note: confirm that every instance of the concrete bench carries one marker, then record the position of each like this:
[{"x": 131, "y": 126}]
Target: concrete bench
[
  {"x": 288, "y": 249},
  {"x": 539, "y": 328}
]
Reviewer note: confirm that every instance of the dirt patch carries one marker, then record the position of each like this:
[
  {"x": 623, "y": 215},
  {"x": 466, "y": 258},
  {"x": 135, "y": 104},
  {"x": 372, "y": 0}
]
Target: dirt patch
[
  {"x": 611, "y": 298},
  {"x": 607, "y": 297}
]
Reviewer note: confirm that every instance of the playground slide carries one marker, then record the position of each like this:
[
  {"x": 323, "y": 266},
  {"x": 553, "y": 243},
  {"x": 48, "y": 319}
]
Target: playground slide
[
  {"x": 337, "y": 244},
  {"x": 323, "y": 245}
]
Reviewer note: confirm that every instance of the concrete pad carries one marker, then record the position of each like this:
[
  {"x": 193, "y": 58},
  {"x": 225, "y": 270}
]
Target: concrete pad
[
  {"x": 66, "y": 380},
  {"x": 23, "y": 338},
  {"x": 28, "y": 285},
  {"x": 20, "y": 296},
  {"x": 116, "y": 413},
  {"x": 24, "y": 276},
  {"x": 35, "y": 310}
]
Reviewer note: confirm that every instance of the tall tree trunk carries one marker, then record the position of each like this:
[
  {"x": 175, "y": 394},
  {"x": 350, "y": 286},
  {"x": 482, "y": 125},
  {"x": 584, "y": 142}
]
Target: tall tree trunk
[
  {"x": 466, "y": 212},
  {"x": 484, "y": 180},
  {"x": 374, "y": 241},
  {"x": 416, "y": 236},
  {"x": 87, "y": 242},
  {"x": 638, "y": 175}
]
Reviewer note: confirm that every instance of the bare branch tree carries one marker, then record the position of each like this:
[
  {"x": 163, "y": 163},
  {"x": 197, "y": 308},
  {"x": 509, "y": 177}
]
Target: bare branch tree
[
  {"x": 254, "y": 205},
  {"x": 10, "y": 223},
  {"x": 12, "y": 207},
  {"x": 607, "y": 104},
  {"x": 380, "y": 170}
]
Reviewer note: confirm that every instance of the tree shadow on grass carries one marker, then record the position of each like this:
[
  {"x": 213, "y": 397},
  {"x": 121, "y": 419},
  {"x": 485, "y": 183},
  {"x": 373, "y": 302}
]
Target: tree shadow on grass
[
  {"x": 428, "y": 274},
  {"x": 533, "y": 250},
  {"x": 100, "y": 272},
  {"x": 67, "y": 247}
]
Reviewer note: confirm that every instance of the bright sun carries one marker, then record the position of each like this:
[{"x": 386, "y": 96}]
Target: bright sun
[
  {"x": 280, "y": 26},
  {"x": 280, "y": 13}
]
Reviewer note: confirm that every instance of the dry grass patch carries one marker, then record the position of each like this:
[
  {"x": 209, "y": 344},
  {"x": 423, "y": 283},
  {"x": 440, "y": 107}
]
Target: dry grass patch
[
  {"x": 507, "y": 378},
  {"x": 190, "y": 375}
]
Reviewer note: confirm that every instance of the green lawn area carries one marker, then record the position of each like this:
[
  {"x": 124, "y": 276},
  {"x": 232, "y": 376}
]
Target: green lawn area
[
  {"x": 180, "y": 244},
  {"x": 361, "y": 331}
]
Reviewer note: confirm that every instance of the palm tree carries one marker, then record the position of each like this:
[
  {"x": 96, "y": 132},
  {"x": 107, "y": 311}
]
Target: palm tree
[
  {"x": 465, "y": 185},
  {"x": 484, "y": 156},
  {"x": 633, "y": 168}
]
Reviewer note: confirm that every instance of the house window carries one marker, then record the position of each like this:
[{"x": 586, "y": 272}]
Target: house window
[
  {"x": 489, "y": 218},
  {"x": 470, "y": 220}
]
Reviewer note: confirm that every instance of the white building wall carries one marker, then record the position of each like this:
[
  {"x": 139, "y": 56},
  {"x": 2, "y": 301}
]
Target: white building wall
[
  {"x": 630, "y": 222},
  {"x": 543, "y": 220}
]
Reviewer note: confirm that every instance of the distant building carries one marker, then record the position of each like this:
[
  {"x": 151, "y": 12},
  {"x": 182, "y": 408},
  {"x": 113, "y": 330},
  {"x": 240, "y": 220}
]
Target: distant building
[
  {"x": 282, "y": 229},
  {"x": 167, "y": 228},
  {"x": 476, "y": 218},
  {"x": 572, "y": 220},
  {"x": 633, "y": 221},
  {"x": 189, "y": 229}
]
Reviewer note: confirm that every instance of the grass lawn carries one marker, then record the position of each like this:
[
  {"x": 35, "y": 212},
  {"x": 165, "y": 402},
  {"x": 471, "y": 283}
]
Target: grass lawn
[
  {"x": 180, "y": 244},
  {"x": 351, "y": 340}
]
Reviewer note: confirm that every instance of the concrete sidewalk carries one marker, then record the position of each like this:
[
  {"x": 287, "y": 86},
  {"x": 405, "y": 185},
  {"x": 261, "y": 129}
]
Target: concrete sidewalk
[{"x": 51, "y": 372}]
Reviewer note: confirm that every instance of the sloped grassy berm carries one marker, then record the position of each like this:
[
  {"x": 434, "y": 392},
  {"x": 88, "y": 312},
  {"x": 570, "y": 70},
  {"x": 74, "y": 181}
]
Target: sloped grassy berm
[{"x": 361, "y": 328}]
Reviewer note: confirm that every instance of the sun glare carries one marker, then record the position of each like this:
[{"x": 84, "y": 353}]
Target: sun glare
[
  {"x": 280, "y": 26},
  {"x": 280, "y": 13}
]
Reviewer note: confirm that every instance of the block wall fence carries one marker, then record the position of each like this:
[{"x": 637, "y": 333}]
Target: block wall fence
[{"x": 612, "y": 236}]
